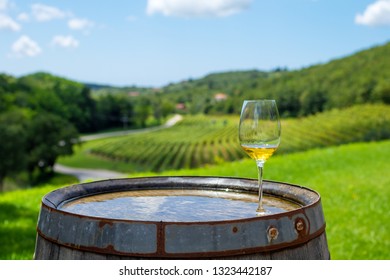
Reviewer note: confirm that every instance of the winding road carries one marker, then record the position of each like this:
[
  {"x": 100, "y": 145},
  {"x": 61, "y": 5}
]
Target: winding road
[{"x": 84, "y": 174}]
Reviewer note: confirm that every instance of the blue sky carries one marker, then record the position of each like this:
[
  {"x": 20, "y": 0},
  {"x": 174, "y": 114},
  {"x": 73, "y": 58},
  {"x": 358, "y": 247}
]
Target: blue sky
[{"x": 156, "y": 42}]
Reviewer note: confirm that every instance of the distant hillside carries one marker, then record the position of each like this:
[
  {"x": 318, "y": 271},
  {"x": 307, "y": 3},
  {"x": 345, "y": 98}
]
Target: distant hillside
[
  {"x": 360, "y": 78},
  {"x": 99, "y": 90},
  {"x": 356, "y": 79}
]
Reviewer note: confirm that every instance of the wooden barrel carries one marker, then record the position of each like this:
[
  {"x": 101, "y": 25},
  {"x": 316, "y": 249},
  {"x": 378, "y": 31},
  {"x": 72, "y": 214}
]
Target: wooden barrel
[{"x": 74, "y": 223}]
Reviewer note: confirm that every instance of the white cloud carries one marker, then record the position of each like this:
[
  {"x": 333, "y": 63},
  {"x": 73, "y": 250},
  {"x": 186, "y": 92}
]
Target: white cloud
[
  {"x": 24, "y": 46},
  {"x": 80, "y": 24},
  {"x": 375, "y": 14},
  {"x": 8, "y": 23},
  {"x": 23, "y": 17},
  {"x": 4, "y": 4},
  {"x": 65, "y": 41},
  {"x": 197, "y": 8},
  {"x": 46, "y": 13}
]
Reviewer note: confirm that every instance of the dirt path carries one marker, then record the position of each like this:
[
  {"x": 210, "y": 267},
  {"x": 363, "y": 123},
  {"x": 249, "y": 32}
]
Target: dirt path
[
  {"x": 171, "y": 122},
  {"x": 84, "y": 174}
]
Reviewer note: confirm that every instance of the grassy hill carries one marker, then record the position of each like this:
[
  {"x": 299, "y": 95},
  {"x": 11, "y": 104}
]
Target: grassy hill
[
  {"x": 203, "y": 140},
  {"x": 354, "y": 190},
  {"x": 350, "y": 178},
  {"x": 356, "y": 79}
]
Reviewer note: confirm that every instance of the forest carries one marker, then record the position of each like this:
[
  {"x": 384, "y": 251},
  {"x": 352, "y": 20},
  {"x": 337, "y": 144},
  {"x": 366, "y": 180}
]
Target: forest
[{"x": 42, "y": 116}]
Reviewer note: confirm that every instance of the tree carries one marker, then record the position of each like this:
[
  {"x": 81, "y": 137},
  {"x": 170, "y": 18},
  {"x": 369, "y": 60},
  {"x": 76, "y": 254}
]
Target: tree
[
  {"x": 49, "y": 136},
  {"x": 113, "y": 111},
  {"x": 78, "y": 104},
  {"x": 12, "y": 144},
  {"x": 167, "y": 107},
  {"x": 142, "y": 111},
  {"x": 69, "y": 99},
  {"x": 312, "y": 102}
]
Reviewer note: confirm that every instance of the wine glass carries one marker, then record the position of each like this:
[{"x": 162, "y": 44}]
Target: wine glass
[{"x": 259, "y": 135}]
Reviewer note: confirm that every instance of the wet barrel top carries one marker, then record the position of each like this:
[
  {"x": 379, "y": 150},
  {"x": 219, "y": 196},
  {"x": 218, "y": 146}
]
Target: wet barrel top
[{"x": 180, "y": 216}]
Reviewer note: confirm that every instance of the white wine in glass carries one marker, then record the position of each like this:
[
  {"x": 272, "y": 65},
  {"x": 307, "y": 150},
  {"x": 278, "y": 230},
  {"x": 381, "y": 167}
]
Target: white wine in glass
[{"x": 259, "y": 135}]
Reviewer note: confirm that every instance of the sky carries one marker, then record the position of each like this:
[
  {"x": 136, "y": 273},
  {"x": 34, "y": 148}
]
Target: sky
[{"x": 156, "y": 42}]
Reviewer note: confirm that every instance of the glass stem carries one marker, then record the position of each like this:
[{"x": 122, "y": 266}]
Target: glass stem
[{"x": 260, "y": 165}]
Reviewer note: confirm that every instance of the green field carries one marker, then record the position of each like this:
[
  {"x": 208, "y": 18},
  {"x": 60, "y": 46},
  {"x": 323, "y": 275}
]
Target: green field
[
  {"x": 342, "y": 154},
  {"x": 351, "y": 179},
  {"x": 199, "y": 141}
]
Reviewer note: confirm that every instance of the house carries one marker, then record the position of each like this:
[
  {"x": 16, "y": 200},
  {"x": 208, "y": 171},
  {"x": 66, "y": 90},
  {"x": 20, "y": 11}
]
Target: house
[
  {"x": 220, "y": 96},
  {"x": 180, "y": 106}
]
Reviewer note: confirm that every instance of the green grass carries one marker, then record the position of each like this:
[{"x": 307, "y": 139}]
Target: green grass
[
  {"x": 354, "y": 187},
  {"x": 352, "y": 180},
  {"x": 18, "y": 218},
  {"x": 82, "y": 158}
]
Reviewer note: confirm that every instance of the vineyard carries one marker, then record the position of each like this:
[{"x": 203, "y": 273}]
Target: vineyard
[{"x": 201, "y": 140}]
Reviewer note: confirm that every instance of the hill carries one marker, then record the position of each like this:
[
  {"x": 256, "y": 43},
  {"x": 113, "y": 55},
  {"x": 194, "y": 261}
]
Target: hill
[
  {"x": 213, "y": 140},
  {"x": 356, "y": 79},
  {"x": 349, "y": 178},
  {"x": 35, "y": 106}
]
